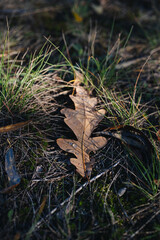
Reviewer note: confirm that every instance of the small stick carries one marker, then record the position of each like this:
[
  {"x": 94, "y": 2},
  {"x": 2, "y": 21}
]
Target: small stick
[
  {"x": 144, "y": 225},
  {"x": 39, "y": 223}
]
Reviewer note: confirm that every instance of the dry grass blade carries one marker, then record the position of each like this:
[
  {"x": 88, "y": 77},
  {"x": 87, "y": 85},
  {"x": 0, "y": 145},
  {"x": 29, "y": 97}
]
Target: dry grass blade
[
  {"x": 144, "y": 225},
  {"x": 13, "y": 127}
]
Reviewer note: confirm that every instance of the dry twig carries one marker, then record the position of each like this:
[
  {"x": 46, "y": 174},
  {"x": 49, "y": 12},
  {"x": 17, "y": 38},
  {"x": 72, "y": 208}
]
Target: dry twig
[{"x": 45, "y": 219}]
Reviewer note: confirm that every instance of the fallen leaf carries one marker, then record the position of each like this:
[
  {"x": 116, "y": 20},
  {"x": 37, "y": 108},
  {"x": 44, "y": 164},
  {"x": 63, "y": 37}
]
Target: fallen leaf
[
  {"x": 78, "y": 78},
  {"x": 77, "y": 17},
  {"x": 97, "y": 8},
  {"x": 157, "y": 182},
  {"x": 17, "y": 236},
  {"x": 129, "y": 135},
  {"x": 134, "y": 138},
  {"x": 83, "y": 120},
  {"x": 10, "y": 167}
]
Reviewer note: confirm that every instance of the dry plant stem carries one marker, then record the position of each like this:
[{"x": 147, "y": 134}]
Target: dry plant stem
[
  {"x": 144, "y": 225},
  {"x": 45, "y": 219},
  {"x": 124, "y": 211},
  {"x": 106, "y": 204},
  {"x": 114, "y": 179},
  {"x": 135, "y": 86},
  {"x": 24, "y": 12},
  {"x": 129, "y": 63}
]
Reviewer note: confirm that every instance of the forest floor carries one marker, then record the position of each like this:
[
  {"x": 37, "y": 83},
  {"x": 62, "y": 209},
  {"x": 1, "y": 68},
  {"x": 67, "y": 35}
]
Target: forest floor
[{"x": 114, "y": 49}]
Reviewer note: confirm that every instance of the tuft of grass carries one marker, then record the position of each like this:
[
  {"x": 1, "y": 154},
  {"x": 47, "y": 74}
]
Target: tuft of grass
[{"x": 32, "y": 87}]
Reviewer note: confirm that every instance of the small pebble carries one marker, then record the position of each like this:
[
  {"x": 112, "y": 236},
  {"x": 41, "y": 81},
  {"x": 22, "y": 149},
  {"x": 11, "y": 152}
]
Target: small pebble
[{"x": 122, "y": 191}]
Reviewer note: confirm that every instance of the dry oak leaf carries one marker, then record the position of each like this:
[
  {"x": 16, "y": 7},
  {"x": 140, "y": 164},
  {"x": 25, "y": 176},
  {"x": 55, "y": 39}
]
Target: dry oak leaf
[{"x": 83, "y": 120}]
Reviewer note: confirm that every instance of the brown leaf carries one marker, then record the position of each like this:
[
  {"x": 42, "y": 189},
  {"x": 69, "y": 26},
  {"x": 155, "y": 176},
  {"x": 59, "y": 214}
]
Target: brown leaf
[
  {"x": 83, "y": 120},
  {"x": 78, "y": 78},
  {"x": 135, "y": 139}
]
